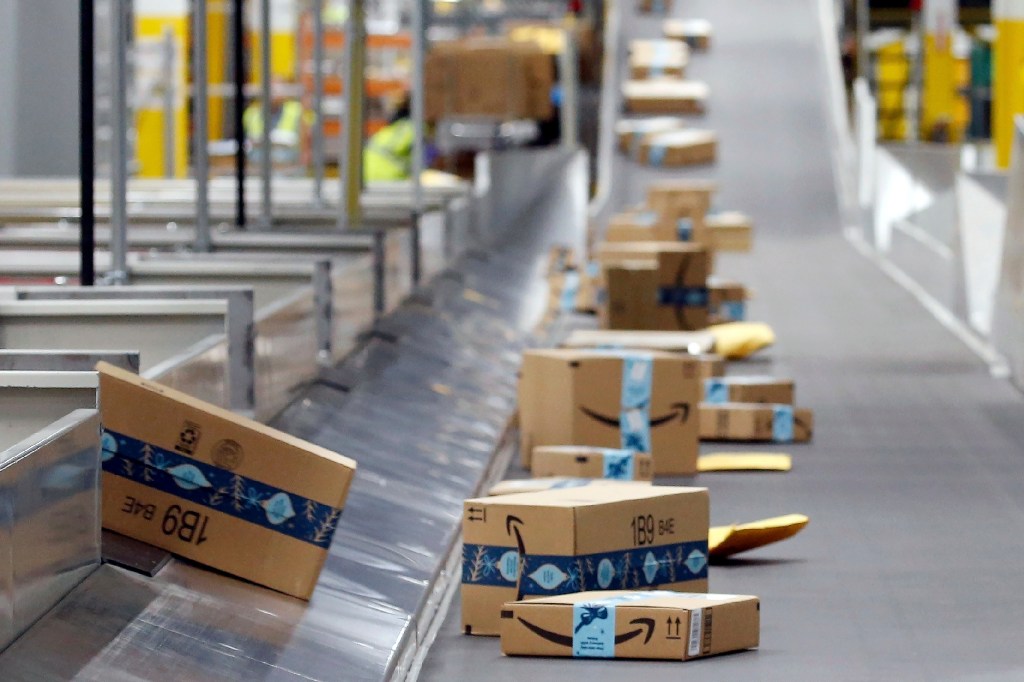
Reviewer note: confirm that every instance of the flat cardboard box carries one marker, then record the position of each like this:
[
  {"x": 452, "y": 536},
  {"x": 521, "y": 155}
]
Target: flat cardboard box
[
  {"x": 578, "y": 396},
  {"x": 584, "y": 461},
  {"x": 763, "y": 423},
  {"x": 678, "y": 148},
  {"x": 730, "y": 231},
  {"x": 749, "y": 389},
  {"x": 694, "y": 343},
  {"x": 557, "y": 542},
  {"x": 655, "y": 285},
  {"x": 727, "y": 301},
  {"x": 696, "y": 33},
  {"x": 216, "y": 488},
  {"x": 640, "y": 226},
  {"x": 533, "y": 485},
  {"x": 658, "y": 58},
  {"x": 631, "y": 131},
  {"x": 662, "y": 625},
  {"x": 665, "y": 96}
]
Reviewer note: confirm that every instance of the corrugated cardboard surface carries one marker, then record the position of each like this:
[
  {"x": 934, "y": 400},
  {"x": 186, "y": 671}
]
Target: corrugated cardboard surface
[
  {"x": 749, "y": 422},
  {"x": 568, "y": 523},
  {"x": 678, "y": 148},
  {"x": 665, "y": 95},
  {"x": 663, "y": 627},
  {"x": 573, "y": 396},
  {"x": 730, "y": 231},
  {"x": 753, "y": 389},
  {"x": 211, "y": 528}
]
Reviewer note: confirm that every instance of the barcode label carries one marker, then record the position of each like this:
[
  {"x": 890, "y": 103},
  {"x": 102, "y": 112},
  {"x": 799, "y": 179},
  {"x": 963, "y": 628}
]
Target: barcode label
[{"x": 696, "y": 626}]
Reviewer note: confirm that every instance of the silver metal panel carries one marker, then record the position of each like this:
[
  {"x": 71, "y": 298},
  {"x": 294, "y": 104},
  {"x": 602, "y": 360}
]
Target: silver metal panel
[
  {"x": 64, "y": 360},
  {"x": 981, "y": 225},
  {"x": 1008, "y": 317},
  {"x": 27, "y": 409},
  {"x": 49, "y": 517},
  {"x": 286, "y": 351}
]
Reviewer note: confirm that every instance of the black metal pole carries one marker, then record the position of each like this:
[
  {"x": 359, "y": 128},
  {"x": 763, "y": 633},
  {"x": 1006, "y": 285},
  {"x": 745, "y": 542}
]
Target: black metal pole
[
  {"x": 238, "y": 48},
  {"x": 87, "y": 141}
]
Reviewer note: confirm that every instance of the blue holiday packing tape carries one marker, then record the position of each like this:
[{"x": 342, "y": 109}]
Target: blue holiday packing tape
[
  {"x": 684, "y": 228},
  {"x": 656, "y": 155},
  {"x": 570, "y": 289},
  {"x": 219, "y": 489},
  {"x": 496, "y": 566},
  {"x": 635, "y": 419},
  {"x": 619, "y": 465},
  {"x": 683, "y": 297},
  {"x": 593, "y": 622},
  {"x": 782, "y": 423},
  {"x": 733, "y": 311},
  {"x": 716, "y": 391}
]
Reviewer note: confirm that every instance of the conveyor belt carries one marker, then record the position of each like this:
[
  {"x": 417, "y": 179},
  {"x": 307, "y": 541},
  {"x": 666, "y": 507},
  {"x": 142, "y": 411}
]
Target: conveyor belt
[{"x": 910, "y": 568}]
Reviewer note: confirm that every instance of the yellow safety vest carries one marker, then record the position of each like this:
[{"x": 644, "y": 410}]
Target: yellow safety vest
[
  {"x": 289, "y": 121},
  {"x": 388, "y": 154}
]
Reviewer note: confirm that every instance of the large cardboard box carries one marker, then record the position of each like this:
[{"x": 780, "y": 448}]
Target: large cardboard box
[
  {"x": 727, "y": 301},
  {"x": 558, "y": 542},
  {"x": 755, "y": 422},
  {"x": 655, "y": 285},
  {"x": 696, "y": 33},
  {"x": 491, "y": 77},
  {"x": 664, "y": 625},
  {"x": 643, "y": 400},
  {"x": 658, "y": 58},
  {"x": 678, "y": 148},
  {"x": 631, "y": 131},
  {"x": 216, "y": 488},
  {"x": 583, "y": 461},
  {"x": 665, "y": 96},
  {"x": 749, "y": 389}
]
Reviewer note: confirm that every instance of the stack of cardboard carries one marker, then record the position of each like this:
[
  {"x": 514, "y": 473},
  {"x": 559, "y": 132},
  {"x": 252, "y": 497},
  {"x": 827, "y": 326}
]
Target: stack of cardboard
[{"x": 490, "y": 77}]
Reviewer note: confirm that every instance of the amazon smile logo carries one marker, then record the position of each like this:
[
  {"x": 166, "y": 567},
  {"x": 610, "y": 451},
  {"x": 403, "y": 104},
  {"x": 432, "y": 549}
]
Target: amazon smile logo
[
  {"x": 646, "y": 628},
  {"x": 680, "y": 411}
]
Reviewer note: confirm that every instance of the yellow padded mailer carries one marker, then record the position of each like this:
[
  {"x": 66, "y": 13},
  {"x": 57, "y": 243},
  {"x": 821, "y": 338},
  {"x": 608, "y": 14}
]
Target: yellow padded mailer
[
  {"x": 736, "y": 340},
  {"x": 744, "y": 461},
  {"x": 725, "y": 541}
]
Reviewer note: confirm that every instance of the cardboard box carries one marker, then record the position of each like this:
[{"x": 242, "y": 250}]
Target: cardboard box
[
  {"x": 491, "y": 77},
  {"x": 751, "y": 389},
  {"x": 642, "y": 226},
  {"x": 658, "y": 58},
  {"x": 654, "y": 6},
  {"x": 557, "y": 542},
  {"x": 675, "y": 200},
  {"x": 590, "y": 462},
  {"x": 727, "y": 301},
  {"x": 693, "y": 343},
  {"x": 667, "y": 291},
  {"x": 750, "y": 422},
  {"x": 663, "y": 625},
  {"x": 730, "y": 231},
  {"x": 665, "y": 96},
  {"x": 678, "y": 148},
  {"x": 696, "y": 33},
  {"x": 643, "y": 400},
  {"x": 216, "y": 488},
  {"x": 574, "y": 290},
  {"x": 533, "y": 485},
  {"x": 630, "y": 131},
  {"x": 711, "y": 365}
]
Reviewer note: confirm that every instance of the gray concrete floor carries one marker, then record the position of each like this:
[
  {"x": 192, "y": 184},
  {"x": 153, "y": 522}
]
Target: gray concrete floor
[{"x": 910, "y": 568}]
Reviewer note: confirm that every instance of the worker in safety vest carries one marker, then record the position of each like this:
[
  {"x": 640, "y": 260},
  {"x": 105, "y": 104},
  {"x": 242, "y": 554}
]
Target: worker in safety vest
[
  {"x": 388, "y": 153},
  {"x": 287, "y": 117}
]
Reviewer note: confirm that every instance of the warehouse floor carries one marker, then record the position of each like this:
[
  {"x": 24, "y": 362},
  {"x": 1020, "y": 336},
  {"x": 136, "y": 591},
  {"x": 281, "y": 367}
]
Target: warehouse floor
[{"x": 910, "y": 567}]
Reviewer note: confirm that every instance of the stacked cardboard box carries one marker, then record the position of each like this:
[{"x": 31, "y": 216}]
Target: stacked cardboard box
[
  {"x": 630, "y": 131},
  {"x": 657, "y": 58},
  {"x": 665, "y": 96},
  {"x": 678, "y": 148},
  {"x": 557, "y": 542},
  {"x": 641, "y": 400},
  {"x": 491, "y": 77}
]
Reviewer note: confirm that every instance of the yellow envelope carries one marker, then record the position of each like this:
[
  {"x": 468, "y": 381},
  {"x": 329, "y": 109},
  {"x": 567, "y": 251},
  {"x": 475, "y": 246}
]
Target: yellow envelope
[
  {"x": 725, "y": 541},
  {"x": 737, "y": 340},
  {"x": 744, "y": 461}
]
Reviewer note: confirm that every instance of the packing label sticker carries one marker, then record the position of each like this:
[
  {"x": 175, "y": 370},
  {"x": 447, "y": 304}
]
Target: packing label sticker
[
  {"x": 570, "y": 289},
  {"x": 684, "y": 228},
  {"x": 549, "y": 575},
  {"x": 218, "y": 489},
  {"x": 716, "y": 391},
  {"x": 782, "y": 423},
  {"x": 634, "y": 420},
  {"x": 593, "y": 623},
  {"x": 696, "y": 632},
  {"x": 618, "y": 464}
]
